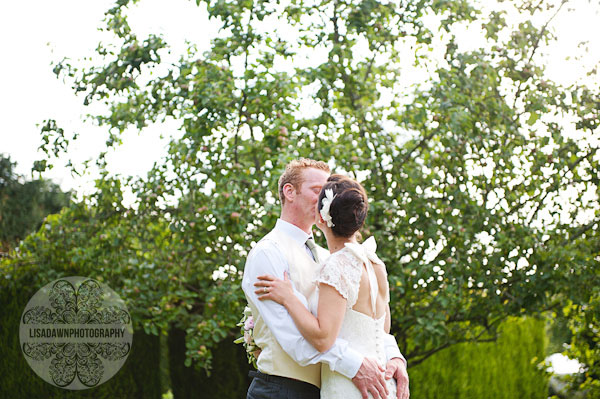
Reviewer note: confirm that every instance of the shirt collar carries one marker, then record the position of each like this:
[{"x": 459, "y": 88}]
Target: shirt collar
[{"x": 296, "y": 233}]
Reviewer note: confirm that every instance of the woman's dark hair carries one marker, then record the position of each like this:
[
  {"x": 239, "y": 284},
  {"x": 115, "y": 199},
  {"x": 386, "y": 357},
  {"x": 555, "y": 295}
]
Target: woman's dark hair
[{"x": 349, "y": 208}]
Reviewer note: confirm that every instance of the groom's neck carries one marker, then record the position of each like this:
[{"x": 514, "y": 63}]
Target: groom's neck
[{"x": 296, "y": 221}]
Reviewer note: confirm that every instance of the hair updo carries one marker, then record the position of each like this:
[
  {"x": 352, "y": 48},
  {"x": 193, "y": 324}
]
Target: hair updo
[{"x": 349, "y": 208}]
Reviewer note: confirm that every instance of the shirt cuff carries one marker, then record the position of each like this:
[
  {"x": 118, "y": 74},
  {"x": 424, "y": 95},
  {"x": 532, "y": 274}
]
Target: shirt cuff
[
  {"x": 349, "y": 365},
  {"x": 391, "y": 348}
]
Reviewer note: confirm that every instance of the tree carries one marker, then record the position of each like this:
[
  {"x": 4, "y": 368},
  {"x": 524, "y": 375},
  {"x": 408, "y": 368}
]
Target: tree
[
  {"x": 24, "y": 204},
  {"x": 584, "y": 320},
  {"x": 468, "y": 170}
]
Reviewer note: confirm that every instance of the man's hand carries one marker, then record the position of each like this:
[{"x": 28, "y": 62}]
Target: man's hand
[
  {"x": 370, "y": 378},
  {"x": 396, "y": 368}
]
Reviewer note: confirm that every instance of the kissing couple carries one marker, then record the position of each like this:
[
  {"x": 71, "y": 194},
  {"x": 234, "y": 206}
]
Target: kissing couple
[{"x": 321, "y": 318}]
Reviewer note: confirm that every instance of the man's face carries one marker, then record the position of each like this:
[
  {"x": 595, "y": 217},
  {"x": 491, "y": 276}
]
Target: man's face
[{"x": 308, "y": 194}]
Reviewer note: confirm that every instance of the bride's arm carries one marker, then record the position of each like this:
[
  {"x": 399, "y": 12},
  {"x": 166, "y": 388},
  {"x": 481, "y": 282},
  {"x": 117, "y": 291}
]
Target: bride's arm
[{"x": 321, "y": 332}]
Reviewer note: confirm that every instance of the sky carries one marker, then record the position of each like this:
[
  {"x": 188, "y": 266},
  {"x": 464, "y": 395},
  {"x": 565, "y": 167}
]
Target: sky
[
  {"x": 36, "y": 33},
  {"x": 32, "y": 93},
  {"x": 69, "y": 28}
]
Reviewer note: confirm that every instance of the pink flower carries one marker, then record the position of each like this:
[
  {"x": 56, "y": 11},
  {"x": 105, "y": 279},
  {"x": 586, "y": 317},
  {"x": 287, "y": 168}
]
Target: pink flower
[{"x": 249, "y": 323}]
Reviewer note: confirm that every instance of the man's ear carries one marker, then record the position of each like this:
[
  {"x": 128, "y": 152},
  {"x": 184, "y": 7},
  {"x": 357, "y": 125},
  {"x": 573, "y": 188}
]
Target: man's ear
[{"x": 289, "y": 192}]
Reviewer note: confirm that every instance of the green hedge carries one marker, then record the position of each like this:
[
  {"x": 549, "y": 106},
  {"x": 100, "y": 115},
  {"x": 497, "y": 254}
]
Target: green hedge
[
  {"x": 151, "y": 368},
  {"x": 505, "y": 369},
  {"x": 138, "y": 378},
  {"x": 228, "y": 377}
]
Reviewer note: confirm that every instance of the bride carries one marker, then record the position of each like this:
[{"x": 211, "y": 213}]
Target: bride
[{"x": 352, "y": 299}]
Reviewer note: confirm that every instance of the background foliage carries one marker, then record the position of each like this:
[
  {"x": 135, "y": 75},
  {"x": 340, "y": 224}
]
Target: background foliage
[
  {"x": 24, "y": 204},
  {"x": 483, "y": 175},
  {"x": 17, "y": 378}
]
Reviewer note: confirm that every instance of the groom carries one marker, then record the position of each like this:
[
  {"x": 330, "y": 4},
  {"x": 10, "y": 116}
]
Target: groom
[{"x": 289, "y": 366}]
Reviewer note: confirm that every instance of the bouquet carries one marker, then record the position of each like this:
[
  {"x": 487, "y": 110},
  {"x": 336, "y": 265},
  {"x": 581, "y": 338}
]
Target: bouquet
[{"x": 247, "y": 338}]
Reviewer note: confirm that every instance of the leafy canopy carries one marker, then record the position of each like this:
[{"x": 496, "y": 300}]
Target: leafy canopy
[{"x": 482, "y": 172}]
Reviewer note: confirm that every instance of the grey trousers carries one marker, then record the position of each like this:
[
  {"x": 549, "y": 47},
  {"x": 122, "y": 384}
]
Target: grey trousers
[{"x": 266, "y": 386}]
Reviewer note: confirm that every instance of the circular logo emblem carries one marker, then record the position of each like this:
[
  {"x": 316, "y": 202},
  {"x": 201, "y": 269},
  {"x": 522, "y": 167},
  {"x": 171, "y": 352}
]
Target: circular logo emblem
[{"x": 76, "y": 333}]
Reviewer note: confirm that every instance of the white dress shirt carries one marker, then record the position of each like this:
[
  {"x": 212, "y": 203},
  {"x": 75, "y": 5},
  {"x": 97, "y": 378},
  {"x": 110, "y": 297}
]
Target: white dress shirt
[{"x": 266, "y": 258}]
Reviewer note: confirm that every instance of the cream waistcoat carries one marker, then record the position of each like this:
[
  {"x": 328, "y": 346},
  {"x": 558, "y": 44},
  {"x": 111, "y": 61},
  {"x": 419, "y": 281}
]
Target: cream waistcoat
[{"x": 273, "y": 359}]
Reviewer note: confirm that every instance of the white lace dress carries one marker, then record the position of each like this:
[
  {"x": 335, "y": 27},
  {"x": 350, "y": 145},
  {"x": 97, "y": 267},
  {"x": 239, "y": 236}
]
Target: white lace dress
[{"x": 343, "y": 270}]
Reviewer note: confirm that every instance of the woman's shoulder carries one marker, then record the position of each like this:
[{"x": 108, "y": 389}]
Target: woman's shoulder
[
  {"x": 343, "y": 257},
  {"x": 342, "y": 271}
]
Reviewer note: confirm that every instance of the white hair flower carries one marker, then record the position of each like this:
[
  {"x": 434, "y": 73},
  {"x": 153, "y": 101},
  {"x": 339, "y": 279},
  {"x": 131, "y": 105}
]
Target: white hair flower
[{"x": 327, "y": 200}]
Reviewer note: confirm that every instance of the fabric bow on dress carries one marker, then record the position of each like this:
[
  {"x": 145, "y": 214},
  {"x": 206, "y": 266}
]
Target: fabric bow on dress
[{"x": 366, "y": 253}]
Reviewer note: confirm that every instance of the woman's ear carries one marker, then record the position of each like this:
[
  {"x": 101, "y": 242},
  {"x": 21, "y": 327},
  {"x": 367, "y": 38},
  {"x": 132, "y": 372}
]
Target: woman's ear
[{"x": 321, "y": 220}]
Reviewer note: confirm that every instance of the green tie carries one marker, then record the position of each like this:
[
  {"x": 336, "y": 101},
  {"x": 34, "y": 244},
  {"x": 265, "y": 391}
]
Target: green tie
[{"x": 310, "y": 243}]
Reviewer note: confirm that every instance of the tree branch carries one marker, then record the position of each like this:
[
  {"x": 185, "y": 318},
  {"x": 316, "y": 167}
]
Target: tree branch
[{"x": 534, "y": 50}]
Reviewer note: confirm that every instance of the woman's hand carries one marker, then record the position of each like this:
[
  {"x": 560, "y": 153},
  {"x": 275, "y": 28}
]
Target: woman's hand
[{"x": 271, "y": 287}]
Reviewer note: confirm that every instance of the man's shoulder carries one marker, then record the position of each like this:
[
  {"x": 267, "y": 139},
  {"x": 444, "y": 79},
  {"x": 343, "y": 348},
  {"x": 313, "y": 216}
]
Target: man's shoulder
[
  {"x": 267, "y": 243},
  {"x": 275, "y": 238},
  {"x": 264, "y": 244},
  {"x": 263, "y": 255}
]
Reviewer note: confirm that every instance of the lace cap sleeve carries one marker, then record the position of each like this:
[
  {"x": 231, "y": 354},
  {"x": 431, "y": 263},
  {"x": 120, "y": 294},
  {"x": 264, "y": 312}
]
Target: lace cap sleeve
[{"x": 342, "y": 271}]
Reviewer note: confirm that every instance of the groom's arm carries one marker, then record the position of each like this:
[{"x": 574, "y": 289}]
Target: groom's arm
[
  {"x": 396, "y": 367},
  {"x": 267, "y": 259},
  {"x": 391, "y": 348}
]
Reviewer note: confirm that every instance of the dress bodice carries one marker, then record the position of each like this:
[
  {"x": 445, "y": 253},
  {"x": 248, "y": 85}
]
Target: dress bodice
[{"x": 365, "y": 334}]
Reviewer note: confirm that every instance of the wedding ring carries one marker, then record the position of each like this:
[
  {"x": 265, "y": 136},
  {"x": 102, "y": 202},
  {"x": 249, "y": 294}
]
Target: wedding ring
[{"x": 265, "y": 290}]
